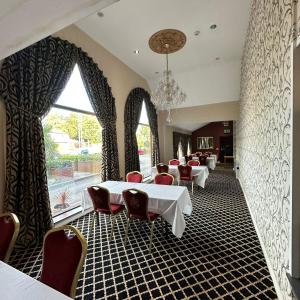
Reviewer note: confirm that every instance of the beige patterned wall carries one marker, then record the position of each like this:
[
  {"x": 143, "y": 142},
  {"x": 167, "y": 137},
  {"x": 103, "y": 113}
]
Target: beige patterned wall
[{"x": 264, "y": 130}]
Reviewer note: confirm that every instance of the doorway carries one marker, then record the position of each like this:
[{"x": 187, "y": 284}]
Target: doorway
[{"x": 226, "y": 147}]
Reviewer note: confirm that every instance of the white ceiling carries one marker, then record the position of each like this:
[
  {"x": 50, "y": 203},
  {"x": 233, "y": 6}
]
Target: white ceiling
[
  {"x": 191, "y": 126},
  {"x": 24, "y": 22},
  {"x": 128, "y": 24}
]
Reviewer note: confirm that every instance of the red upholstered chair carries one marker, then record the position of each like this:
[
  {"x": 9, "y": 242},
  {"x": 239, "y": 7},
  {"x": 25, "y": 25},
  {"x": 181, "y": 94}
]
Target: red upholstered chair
[
  {"x": 162, "y": 168},
  {"x": 9, "y": 230},
  {"x": 101, "y": 201},
  {"x": 202, "y": 160},
  {"x": 64, "y": 252},
  {"x": 193, "y": 163},
  {"x": 174, "y": 162},
  {"x": 137, "y": 208},
  {"x": 134, "y": 176},
  {"x": 185, "y": 174},
  {"x": 164, "y": 178}
]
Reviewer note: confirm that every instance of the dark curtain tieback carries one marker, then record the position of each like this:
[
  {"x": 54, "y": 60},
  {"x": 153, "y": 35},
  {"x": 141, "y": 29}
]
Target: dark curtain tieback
[{"x": 25, "y": 111}]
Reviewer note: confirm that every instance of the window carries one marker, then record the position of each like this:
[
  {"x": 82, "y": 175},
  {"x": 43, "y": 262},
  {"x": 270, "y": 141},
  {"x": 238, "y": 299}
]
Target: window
[
  {"x": 144, "y": 140},
  {"x": 180, "y": 151},
  {"x": 189, "y": 148},
  {"x": 72, "y": 136}
]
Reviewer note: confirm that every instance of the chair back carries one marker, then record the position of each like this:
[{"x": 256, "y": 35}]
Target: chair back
[
  {"x": 137, "y": 204},
  {"x": 162, "y": 168},
  {"x": 9, "y": 230},
  {"x": 202, "y": 159},
  {"x": 174, "y": 162},
  {"x": 100, "y": 198},
  {"x": 185, "y": 172},
  {"x": 198, "y": 154},
  {"x": 134, "y": 176},
  {"x": 63, "y": 258},
  {"x": 193, "y": 163},
  {"x": 164, "y": 178}
]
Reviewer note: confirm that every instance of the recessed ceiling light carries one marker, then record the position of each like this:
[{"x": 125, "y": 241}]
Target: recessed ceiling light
[
  {"x": 217, "y": 58},
  {"x": 136, "y": 51},
  {"x": 100, "y": 14},
  {"x": 197, "y": 32},
  {"x": 156, "y": 72},
  {"x": 213, "y": 26}
]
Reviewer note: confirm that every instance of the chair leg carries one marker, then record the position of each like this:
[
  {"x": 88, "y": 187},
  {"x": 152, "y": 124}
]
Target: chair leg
[
  {"x": 151, "y": 236},
  {"x": 193, "y": 187},
  {"x": 92, "y": 222},
  {"x": 113, "y": 217},
  {"x": 126, "y": 231},
  {"x": 98, "y": 219}
]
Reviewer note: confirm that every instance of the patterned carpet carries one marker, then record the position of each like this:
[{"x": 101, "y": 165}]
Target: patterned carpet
[{"x": 218, "y": 257}]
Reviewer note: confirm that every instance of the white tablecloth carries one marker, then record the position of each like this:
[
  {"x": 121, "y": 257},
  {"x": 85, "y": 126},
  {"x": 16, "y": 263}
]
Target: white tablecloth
[
  {"x": 199, "y": 172},
  {"x": 15, "y": 285},
  {"x": 172, "y": 202},
  {"x": 215, "y": 157},
  {"x": 211, "y": 162}
]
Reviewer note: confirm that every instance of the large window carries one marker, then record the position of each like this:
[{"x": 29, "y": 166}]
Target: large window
[
  {"x": 73, "y": 146},
  {"x": 144, "y": 139}
]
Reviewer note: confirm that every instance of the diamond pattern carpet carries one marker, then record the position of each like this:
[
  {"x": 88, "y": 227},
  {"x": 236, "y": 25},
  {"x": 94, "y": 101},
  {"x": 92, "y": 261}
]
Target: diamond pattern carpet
[{"x": 218, "y": 257}]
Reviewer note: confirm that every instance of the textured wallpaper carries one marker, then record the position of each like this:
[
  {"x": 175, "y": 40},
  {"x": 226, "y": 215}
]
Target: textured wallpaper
[{"x": 264, "y": 128}]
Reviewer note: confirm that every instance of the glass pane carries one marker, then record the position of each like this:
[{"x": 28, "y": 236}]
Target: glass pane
[
  {"x": 74, "y": 95},
  {"x": 143, "y": 135},
  {"x": 144, "y": 116},
  {"x": 73, "y": 156}
]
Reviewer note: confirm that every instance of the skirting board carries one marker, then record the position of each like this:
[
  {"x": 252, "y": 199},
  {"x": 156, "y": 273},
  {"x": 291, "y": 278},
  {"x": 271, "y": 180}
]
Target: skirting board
[{"x": 276, "y": 285}]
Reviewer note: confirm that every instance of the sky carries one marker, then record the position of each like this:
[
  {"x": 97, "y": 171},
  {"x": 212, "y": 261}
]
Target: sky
[{"x": 74, "y": 95}]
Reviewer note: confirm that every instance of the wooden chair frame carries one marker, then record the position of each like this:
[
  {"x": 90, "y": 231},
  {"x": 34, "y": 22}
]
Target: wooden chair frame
[
  {"x": 111, "y": 216},
  {"x": 134, "y": 172},
  {"x": 15, "y": 235},
  {"x": 170, "y": 175},
  {"x": 128, "y": 221},
  {"x": 82, "y": 257}
]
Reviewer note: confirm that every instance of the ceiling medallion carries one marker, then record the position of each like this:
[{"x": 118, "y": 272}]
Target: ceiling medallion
[{"x": 167, "y": 94}]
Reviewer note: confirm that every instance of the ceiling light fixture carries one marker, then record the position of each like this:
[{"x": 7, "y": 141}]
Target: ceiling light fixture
[
  {"x": 136, "y": 51},
  {"x": 213, "y": 26},
  {"x": 100, "y": 14},
  {"x": 197, "y": 32},
  {"x": 217, "y": 58},
  {"x": 168, "y": 93}
]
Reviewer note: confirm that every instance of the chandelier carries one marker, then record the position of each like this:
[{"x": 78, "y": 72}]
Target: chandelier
[{"x": 167, "y": 93}]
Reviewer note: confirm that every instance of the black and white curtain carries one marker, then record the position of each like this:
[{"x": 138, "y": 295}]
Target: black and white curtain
[
  {"x": 184, "y": 139},
  {"x": 30, "y": 83},
  {"x": 132, "y": 113},
  {"x": 103, "y": 103},
  {"x": 131, "y": 119}
]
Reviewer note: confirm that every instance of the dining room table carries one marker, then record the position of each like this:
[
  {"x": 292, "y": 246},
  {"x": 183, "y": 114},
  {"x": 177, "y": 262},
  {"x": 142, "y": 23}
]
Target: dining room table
[
  {"x": 15, "y": 285},
  {"x": 200, "y": 173},
  {"x": 170, "y": 201},
  {"x": 210, "y": 161}
]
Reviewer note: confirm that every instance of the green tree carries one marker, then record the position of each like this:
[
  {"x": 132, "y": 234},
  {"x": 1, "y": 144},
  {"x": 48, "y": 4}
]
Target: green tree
[
  {"x": 50, "y": 146},
  {"x": 143, "y": 135},
  {"x": 77, "y": 126}
]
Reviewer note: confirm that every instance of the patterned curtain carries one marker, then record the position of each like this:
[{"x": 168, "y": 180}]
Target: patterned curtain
[
  {"x": 135, "y": 99},
  {"x": 132, "y": 115},
  {"x": 184, "y": 139},
  {"x": 30, "y": 82},
  {"x": 152, "y": 116},
  {"x": 103, "y": 103}
]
